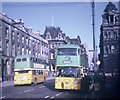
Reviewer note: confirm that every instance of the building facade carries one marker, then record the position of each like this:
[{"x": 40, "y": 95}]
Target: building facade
[
  {"x": 110, "y": 40},
  {"x": 15, "y": 40}
]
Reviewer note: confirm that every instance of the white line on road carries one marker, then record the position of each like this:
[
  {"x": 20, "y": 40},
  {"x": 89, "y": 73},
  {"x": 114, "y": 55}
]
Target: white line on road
[
  {"x": 58, "y": 94},
  {"x": 41, "y": 86},
  {"x": 28, "y": 90},
  {"x": 46, "y": 96},
  {"x": 3, "y": 97},
  {"x": 52, "y": 97}
]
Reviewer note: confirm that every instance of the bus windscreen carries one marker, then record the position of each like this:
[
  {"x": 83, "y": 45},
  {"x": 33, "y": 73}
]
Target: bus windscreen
[
  {"x": 68, "y": 72},
  {"x": 67, "y": 51}
]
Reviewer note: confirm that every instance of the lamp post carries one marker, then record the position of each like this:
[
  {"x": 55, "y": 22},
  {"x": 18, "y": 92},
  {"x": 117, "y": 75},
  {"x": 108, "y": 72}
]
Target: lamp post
[{"x": 93, "y": 24}]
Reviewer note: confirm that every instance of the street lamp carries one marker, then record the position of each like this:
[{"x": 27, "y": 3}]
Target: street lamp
[{"x": 93, "y": 23}]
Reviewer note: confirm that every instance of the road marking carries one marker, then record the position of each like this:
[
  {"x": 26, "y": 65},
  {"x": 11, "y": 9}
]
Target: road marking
[
  {"x": 28, "y": 90},
  {"x": 46, "y": 96},
  {"x": 41, "y": 86},
  {"x": 3, "y": 97},
  {"x": 52, "y": 97},
  {"x": 58, "y": 94}
]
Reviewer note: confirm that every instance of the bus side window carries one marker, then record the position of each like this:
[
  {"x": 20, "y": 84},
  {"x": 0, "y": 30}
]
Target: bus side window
[
  {"x": 34, "y": 72},
  {"x": 41, "y": 72}
]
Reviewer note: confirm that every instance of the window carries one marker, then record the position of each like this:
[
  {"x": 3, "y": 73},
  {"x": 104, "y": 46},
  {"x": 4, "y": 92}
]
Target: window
[
  {"x": 60, "y": 35},
  {"x": 13, "y": 50},
  {"x": 13, "y": 35},
  {"x": 67, "y": 51},
  {"x": 23, "y": 50},
  {"x": 23, "y": 71},
  {"x": 111, "y": 18},
  {"x": 18, "y": 35},
  {"x": 68, "y": 72},
  {"x": 24, "y": 59},
  {"x": 18, "y": 60},
  {"x": 112, "y": 48},
  {"x": 52, "y": 55},
  {"x": 22, "y": 38},
  {"x": 48, "y": 36}
]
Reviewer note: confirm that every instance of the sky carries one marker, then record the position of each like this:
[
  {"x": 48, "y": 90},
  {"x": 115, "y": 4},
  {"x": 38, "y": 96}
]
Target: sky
[{"x": 74, "y": 18}]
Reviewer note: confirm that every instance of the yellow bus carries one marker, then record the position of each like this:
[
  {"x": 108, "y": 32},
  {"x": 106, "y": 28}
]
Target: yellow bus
[
  {"x": 29, "y": 70},
  {"x": 69, "y": 67}
]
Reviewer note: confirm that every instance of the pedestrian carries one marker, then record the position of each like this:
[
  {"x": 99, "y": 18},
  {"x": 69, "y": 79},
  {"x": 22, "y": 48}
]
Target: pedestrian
[
  {"x": 103, "y": 82},
  {"x": 86, "y": 83},
  {"x": 96, "y": 84}
]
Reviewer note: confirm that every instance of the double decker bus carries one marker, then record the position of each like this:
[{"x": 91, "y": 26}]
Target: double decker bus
[
  {"x": 29, "y": 70},
  {"x": 69, "y": 67}
]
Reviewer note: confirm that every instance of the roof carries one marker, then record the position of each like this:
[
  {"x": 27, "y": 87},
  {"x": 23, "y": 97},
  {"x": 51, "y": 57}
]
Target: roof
[
  {"x": 53, "y": 31},
  {"x": 110, "y": 7}
]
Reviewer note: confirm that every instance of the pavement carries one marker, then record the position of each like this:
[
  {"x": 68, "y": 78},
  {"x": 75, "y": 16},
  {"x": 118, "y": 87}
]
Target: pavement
[{"x": 10, "y": 83}]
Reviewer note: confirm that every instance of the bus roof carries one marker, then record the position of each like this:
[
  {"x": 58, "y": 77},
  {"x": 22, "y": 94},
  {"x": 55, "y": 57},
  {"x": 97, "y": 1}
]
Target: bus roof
[{"x": 69, "y": 46}]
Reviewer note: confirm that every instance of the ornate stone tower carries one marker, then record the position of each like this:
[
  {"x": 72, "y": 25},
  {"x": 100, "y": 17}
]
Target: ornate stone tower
[{"x": 110, "y": 40}]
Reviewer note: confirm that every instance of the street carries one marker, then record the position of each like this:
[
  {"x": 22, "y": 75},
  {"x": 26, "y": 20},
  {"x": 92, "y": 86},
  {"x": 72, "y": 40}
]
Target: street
[
  {"x": 47, "y": 90},
  {"x": 42, "y": 90}
]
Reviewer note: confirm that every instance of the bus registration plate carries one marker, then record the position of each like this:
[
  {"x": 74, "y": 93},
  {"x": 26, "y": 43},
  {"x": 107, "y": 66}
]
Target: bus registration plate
[
  {"x": 67, "y": 87},
  {"x": 22, "y": 78}
]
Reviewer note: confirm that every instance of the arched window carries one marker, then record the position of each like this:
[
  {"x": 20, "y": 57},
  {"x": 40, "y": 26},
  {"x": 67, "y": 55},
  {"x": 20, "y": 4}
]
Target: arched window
[
  {"x": 48, "y": 36},
  {"x": 112, "y": 49},
  {"x": 59, "y": 35},
  {"x": 105, "y": 35}
]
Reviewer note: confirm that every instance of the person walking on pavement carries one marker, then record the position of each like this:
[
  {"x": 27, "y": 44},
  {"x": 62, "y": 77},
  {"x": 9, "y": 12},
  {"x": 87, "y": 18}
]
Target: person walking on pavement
[{"x": 96, "y": 85}]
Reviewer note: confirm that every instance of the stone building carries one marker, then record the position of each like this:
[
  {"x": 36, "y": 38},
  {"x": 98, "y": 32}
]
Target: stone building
[
  {"x": 15, "y": 40},
  {"x": 110, "y": 40}
]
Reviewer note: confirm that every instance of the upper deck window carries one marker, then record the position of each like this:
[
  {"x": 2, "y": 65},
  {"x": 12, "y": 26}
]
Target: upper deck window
[
  {"x": 24, "y": 59},
  {"x": 18, "y": 60},
  {"x": 67, "y": 51}
]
